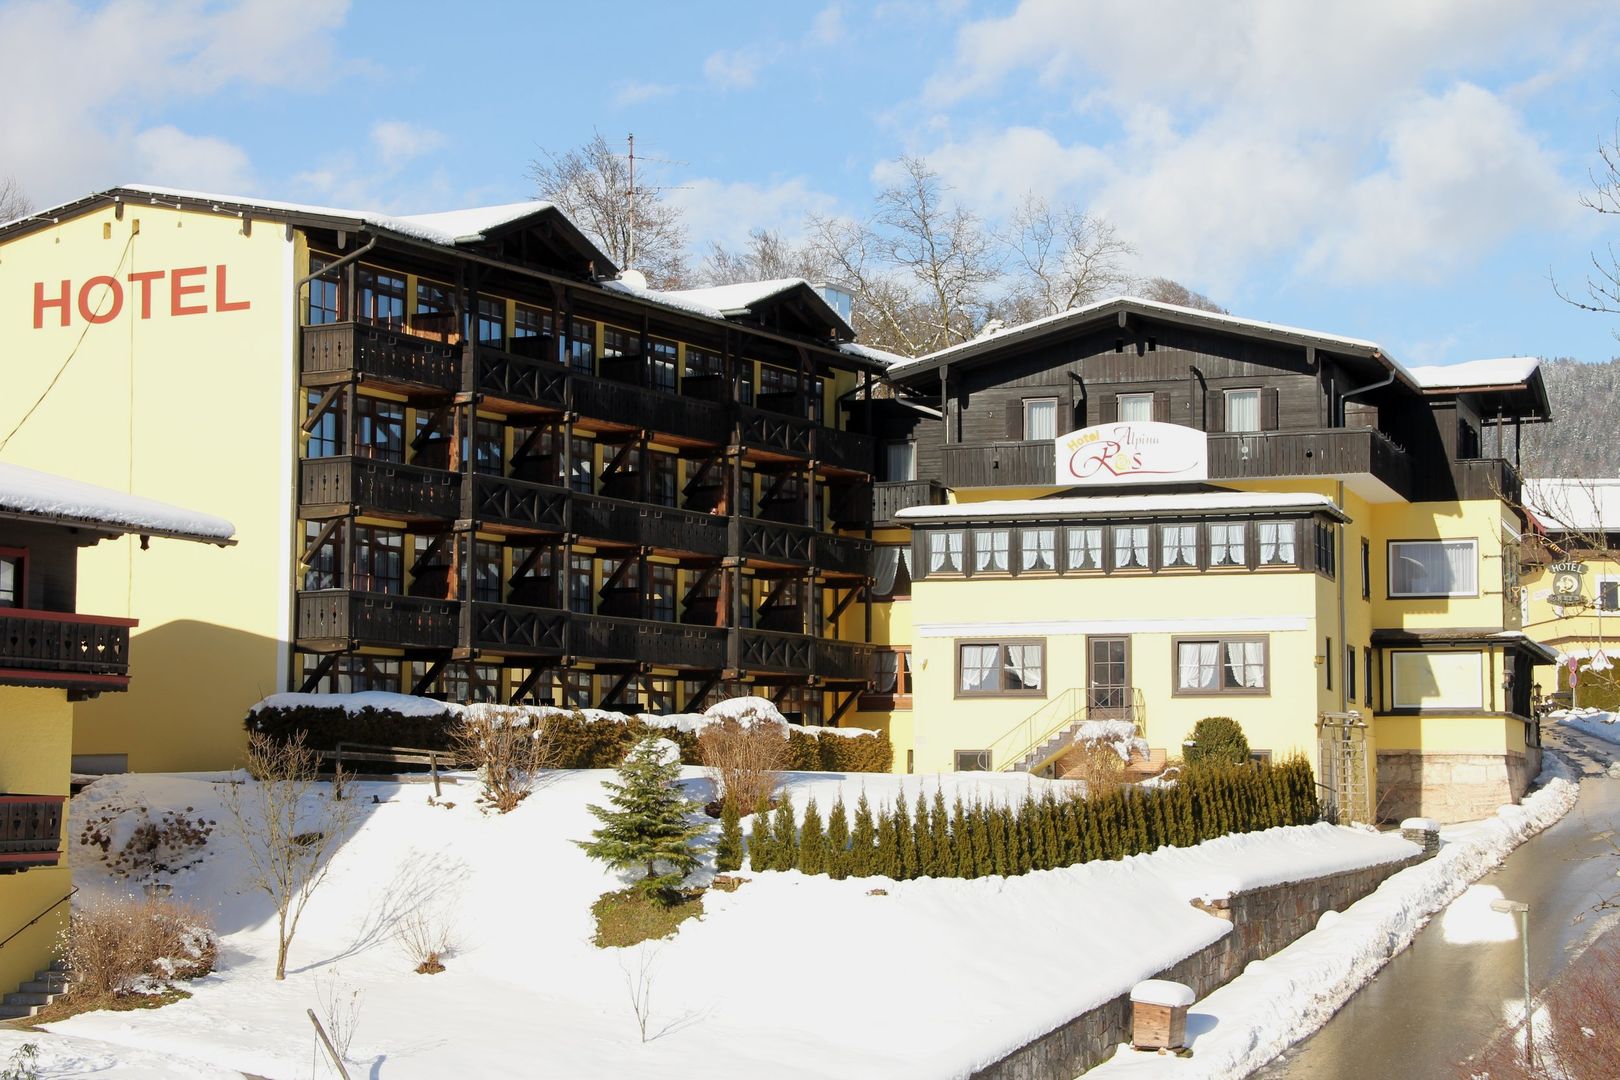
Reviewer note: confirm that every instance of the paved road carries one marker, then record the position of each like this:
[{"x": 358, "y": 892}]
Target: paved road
[{"x": 1439, "y": 1002}]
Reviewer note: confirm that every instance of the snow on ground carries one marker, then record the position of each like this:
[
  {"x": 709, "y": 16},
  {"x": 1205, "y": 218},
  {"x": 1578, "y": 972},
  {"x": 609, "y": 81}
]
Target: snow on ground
[
  {"x": 62, "y": 1056},
  {"x": 1594, "y": 722},
  {"x": 790, "y": 976},
  {"x": 1278, "y": 1001}
]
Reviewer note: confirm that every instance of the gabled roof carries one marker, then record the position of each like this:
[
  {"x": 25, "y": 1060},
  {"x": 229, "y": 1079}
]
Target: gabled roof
[
  {"x": 1574, "y": 505},
  {"x": 31, "y": 495},
  {"x": 753, "y": 299},
  {"x": 1512, "y": 384}
]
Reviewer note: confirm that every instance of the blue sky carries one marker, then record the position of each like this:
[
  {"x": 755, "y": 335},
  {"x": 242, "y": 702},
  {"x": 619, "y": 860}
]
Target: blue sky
[{"x": 1407, "y": 172}]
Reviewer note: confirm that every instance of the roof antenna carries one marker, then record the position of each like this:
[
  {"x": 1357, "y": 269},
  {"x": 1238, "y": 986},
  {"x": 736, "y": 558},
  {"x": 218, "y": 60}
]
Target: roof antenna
[{"x": 630, "y": 242}]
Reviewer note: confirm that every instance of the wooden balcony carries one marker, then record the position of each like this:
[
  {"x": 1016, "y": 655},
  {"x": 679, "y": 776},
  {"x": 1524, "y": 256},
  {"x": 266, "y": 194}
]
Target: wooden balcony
[
  {"x": 513, "y": 630},
  {"x": 676, "y": 645},
  {"x": 516, "y": 381},
  {"x": 390, "y": 359},
  {"x": 767, "y": 652},
  {"x": 619, "y": 522},
  {"x": 843, "y": 556},
  {"x": 515, "y": 506},
  {"x": 332, "y": 620},
  {"x": 774, "y": 433},
  {"x": 772, "y": 543},
  {"x": 999, "y": 464},
  {"x": 849, "y": 505},
  {"x": 1485, "y": 478},
  {"x": 1331, "y": 452},
  {"x": 607, "y": 405},
  {"x": 30, "y": 831},
  {"x": 331, "y": 487},
  {"x": 844, "y": 661},
  {"x": 846, "y": 451},
  {"x": 63, "y": 649},
  {"x": 893, "y": 496}
]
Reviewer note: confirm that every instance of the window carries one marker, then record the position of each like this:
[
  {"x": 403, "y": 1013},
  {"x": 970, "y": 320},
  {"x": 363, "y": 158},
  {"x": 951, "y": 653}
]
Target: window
[
  {"x": 618, "y": 344},
  {"x": 899, "y": 461},
  {"x": 1433, "y": 568},
  {"x": 661, "y": 589},
  {"x": 1221, "y": 666},
  {"x": 491, "y": 327},
  {"x": 1015, "y": 668},
  {"x": 701, "y": 362},
  {"x": 661, "y": 357},
  {"x": 356, "y": 673},
  {"x": 745, "y": 492},
  {"x": 1178, "y": 546},
  {"x": 432, "y": 298},
  {"x": 581, "y": 465},
  {"x": 1326, "y": 549},
  {"x": 973, "y": 761},
  {"x": 380, "y": 429},
  {"x": 323, "y": 294},
  {"x": 487, "y": 572},
  {"x": 1243, "y": 410},
  {"x": 1366, "y": 569},
  {"x": 1367, "y": 676},
  {"x": 581, "y": 587},
  {"x": 379, "y": 563},
  {"x": 324, "y": 437},
  {"x": 489, "y": 447},
  {"x": 1607, "y": 595},
  {"x": 1327, "y": 662},
  {"x": 1135, "y": 408},
  {"x": 891, "y": 681},
  {"x": 529, "y": 323},
  {"x": 1349, "y": 673},
  {"x": 990, "y": 549},
  {"x": 818, "y": 400},
  {"x": 1437, "y": 679},
  {"x": 945, "y": 551},
  {"x": 325, "y": 569},
  {"x": 468, "y": 683},
  {"x": 1084, "y": 547},
  {"x": 381, "y": 297},
  {"x": 582, "y": 347},
  {"x": 1226, "y": 545},
  {"x": 665, "y": 477},
  {"x": 891, "y": 572},
  {"x": 1037, "y": 551},
  {"x": 660, "y": 693},
  {"x": 1130, "y": 547},
  {"x": 576, "y": 689},
  {"x": 1277, "y": 543},
  {"x": 12, "y": 594},
  {"x": 1040, "y": 419}
]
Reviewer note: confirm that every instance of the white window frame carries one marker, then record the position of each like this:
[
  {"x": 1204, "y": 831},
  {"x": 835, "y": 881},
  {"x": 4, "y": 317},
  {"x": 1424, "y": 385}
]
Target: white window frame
[
  {"x": 1277, "y": 543},
  {"x": 1396, "y": 690},
  {"x": 980, "y": 760},
  {"x": 1230, "y": 396},
  {"x": 1227, "y": 529},
  {"x": 1144, "y": 402},
  {"x": 1395, "y": 556},
  {"x": 1030, "y": 404}
]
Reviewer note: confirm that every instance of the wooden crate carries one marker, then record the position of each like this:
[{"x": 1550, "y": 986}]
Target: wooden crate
[{"x": 1158, "y": 1027}]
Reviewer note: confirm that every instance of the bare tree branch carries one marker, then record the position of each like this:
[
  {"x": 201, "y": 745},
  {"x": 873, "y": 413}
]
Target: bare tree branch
[{"x": 13, "y": 202}]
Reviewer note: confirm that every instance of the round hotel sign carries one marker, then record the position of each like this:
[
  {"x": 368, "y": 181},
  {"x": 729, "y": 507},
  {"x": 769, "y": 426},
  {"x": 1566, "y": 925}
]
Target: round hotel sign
[
  {"x": 1566, "y": 584},
  {"x": 1132, "y": 452}
]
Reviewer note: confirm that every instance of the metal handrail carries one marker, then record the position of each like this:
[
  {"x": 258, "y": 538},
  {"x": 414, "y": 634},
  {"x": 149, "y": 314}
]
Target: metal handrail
[
  {"x": 38, "y": 917},
  {"x": 1036, "y": 728}
]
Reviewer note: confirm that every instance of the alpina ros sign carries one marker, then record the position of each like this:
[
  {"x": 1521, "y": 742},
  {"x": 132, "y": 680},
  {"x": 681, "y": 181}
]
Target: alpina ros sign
[
  {"x": 184, "y": 290},
  {"x": 1140, "y": 452}
]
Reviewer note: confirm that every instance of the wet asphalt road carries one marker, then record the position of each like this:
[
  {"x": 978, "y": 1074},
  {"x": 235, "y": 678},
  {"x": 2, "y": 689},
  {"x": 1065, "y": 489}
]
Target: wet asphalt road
[{"x": 1438, "y": 1002}]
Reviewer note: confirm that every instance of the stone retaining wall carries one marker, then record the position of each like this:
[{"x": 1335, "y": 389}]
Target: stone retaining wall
[
  {"x": 1263, "y": 921},
  {"x": 1450, "y": 787}
]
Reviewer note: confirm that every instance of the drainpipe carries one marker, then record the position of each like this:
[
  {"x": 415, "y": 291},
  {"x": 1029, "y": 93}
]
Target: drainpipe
[
  {"x": 1379, "y": 385},
  {"x": 298, "y": 289},
  {"x": 1344, "y": 643}
]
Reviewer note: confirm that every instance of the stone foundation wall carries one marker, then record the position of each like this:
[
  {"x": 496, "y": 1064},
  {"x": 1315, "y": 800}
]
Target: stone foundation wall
[
  {"x": 1450, "y": 787},
  {"x": 1263, "y": 922}
]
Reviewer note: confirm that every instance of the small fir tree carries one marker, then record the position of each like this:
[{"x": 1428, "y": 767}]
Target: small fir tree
[
  {"x": 922, "y": 836},
  {"x": 1017, "y": 857},
  {"x": 649, "y": 829},
  {"x": 998, "y": 844},
  {"x": 943, "y": 862},
  {"x": 838, "y": 841},
  {"x": 728, "y": 852},
  {"x": 1049, "y": 832},
  {"x": 759, "y": 837},
  {"x": 905, "y": 844},
  {"x": 784, "y": 837},
  {"x": 983, "y": 865},
  {"x": 862, "y": 840},
  {"x": 962, "y": 840},
  {"x": 887, "y": 858},
  {"x": 1217, "y": 739},
  {"x": 812, "y": 844}
]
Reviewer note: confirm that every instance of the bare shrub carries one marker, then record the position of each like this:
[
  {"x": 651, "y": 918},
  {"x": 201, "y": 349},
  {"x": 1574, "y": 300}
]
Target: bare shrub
[
  {"x": 1097, "y": 765},
  {"x": 127, "y": 945},
  {"x": 288, "y": 828},
  {"x": 745, "y": 758},
  {"x": 339, "y": 1005},
  {"x": 1577, "y": 1028},
  {"x": 509, "y": 746},
  {"x": 425, "y": 938}
]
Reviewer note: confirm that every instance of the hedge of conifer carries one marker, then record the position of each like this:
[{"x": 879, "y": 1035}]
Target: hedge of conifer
[{"x": 968, "y": 840}]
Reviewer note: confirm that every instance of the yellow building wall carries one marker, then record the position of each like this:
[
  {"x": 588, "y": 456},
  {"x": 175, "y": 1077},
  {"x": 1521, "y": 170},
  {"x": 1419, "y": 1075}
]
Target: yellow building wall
[
  {"x": 1483, "y": 520},
  {"x": 193, "y": 409},
  {"x": 36, "y": 735},
  {"x": 1579, "y": 631}
]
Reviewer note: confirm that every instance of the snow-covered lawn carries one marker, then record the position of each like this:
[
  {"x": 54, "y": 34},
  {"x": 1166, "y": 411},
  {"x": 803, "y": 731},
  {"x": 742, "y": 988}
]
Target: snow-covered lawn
[
  {"x": 1594, "y": 722},
  {"x": 790, "y": 976}
]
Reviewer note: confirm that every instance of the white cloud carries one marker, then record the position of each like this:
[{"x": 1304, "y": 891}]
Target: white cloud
[
  {"x": 170, "y": 157},
  {"x": 732, "y": 69},
  {"x": 634, "y": 92},
  {"x": 399, "y": 141},
  {"x": 999, "y": 167},
  {"x": 718, "y": 211},
  {"x": 827, "y": 28}
]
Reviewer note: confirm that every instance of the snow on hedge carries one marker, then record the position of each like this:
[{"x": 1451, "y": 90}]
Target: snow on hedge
[{"x": 404, "y": 704}]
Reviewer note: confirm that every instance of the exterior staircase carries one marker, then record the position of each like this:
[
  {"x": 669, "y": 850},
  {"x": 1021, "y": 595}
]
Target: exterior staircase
[
  {"x": 1040, "y": 739},
  {"x": 45, "y": 987}
]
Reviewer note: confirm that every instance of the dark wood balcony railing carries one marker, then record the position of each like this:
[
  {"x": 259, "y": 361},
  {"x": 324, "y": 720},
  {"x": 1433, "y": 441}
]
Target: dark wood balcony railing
[
  {"x": 1487, "y": 478},
  {"x": 849, "y": 505},
  {"x": 843, "y": 555},
  {"x": 30, "y": 831},
  {"x": 515, "y": 504},
  {"x": 771, "y": 651},
  {"x": 628, "y": 405},
  {"x": 772, "y": 542},
  {"x": 892, "y": 496},
  {"x": 517, "y": 631},
  {"x": 1324, "y": 452},
  {"x": 339, "y": 351},
  {"x": 335, "y": 616},
  {"x": 598, "y": 637},
  {"x": 329, "y": 487},
  {"x": 52, "y": 648},
  {"x": 620, "y": 521},
  {"x": 775, "y": 432},
  {"x": 847, "y": 450},
  {"x": 844, "y": 661},
  {"x": 513, "y": 377},
  {"x": 999, "y": 464}
]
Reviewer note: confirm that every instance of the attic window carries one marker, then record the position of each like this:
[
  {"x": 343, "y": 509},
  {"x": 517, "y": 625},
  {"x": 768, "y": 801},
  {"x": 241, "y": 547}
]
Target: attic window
[
  {"x": 1153, "y": 344},
  {"x": 1119, "y": 344}
]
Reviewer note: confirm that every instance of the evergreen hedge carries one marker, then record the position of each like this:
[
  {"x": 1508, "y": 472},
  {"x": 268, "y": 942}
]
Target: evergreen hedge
[{"x": 983, "y": 839}]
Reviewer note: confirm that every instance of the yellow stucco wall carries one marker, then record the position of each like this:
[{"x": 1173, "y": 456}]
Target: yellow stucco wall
[
  {"x": 1579, "y": 631},
  {"x": 193, "y": 409},
  {"x": 36, "y": 732}
]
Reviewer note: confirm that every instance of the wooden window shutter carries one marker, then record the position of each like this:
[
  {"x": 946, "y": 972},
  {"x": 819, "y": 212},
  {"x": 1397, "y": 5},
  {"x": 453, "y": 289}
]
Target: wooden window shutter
[
  {"x": 1215, "y": 411},
  {"x": 1108, "y": 409},
  {"x": 1161, "y": 406},
  {"x": 1065, "y": 416},
  {"x": 1015, "y": 419},
  {"x": 1268, "y": 409}
]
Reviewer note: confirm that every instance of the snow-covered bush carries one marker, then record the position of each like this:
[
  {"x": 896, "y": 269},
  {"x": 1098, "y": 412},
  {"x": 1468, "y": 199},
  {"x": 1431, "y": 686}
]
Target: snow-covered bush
[{"x": 135, "y": 945}]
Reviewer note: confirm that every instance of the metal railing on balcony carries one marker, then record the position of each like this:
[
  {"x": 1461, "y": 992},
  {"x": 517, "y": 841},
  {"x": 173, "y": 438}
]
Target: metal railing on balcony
[
  {"x": 30, "y": 831},
  {"x": 330, "y": 487},
  {"x": 338, "y": 351},
  {"x": 63, "y": 643}
]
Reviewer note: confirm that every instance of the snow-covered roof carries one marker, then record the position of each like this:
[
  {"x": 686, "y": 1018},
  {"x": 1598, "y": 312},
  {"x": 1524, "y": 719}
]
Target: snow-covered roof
[
  {"x": 739, "y": 296},
  {"x": 1120, "y": 505},
  {"x": 1503, "y": 371},
  {"x": 1574, "y": 505},
  {"x": 29, "y": 493},
  {"x": 866, "y": 352}
]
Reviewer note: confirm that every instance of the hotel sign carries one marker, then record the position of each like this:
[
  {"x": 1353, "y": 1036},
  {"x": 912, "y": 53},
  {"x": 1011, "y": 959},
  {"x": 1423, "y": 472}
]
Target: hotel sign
[
  {"x": 1132, "y": 452},
  {"x": 1567, "y": 581}
]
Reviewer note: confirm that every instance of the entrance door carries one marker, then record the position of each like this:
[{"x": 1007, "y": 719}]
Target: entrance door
[{"x": 1108, "y": 682}]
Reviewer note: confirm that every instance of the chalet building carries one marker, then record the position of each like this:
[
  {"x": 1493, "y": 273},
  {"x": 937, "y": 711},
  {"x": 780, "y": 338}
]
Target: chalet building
[
  {"x": 52, "y": 654},
  {"x": 1143, "y": 512},
  {"x": 1572, "y": 586},
  {"x": 467, "y": 455}
]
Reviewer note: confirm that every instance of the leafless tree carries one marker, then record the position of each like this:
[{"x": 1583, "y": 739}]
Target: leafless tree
[
  {"x": 1166, "y": 291},
  {"x": 766, "y": 256},
  {"x": 1061, "y": 257},
  {"x": 13, "y": 203},
  {"x": 288, "y": 827},
  {"x": 591, "y": 184},
  {"x": 1603, "y": 280}
]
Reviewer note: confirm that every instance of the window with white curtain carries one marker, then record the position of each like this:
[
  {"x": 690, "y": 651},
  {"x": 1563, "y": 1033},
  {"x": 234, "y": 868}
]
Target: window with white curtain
[
  {"x": 1243, "y": 410},
  {"x": 945, "y": 551},
  {"x": 1040, "y": 418},
  {"x": 1437, "y": 680},
  {"x": 899, "y": 461},
  {"x": 1277, "y": 543},
  {"x": 1084, "y": 548},
  {"x": 1226, "y": 544},
  {"x": 1005, "y": 668},
  {"x": 990, "y": 550},
  {"x": 1221, "y": 666},
  {"x": 1434, "y": 568},
  {"x": 1037, "y": 551},
  {"x": 1130, "y": 547},
  {"x": 1135, "y": 408},
  {"x": 1178, "y": 546}
]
